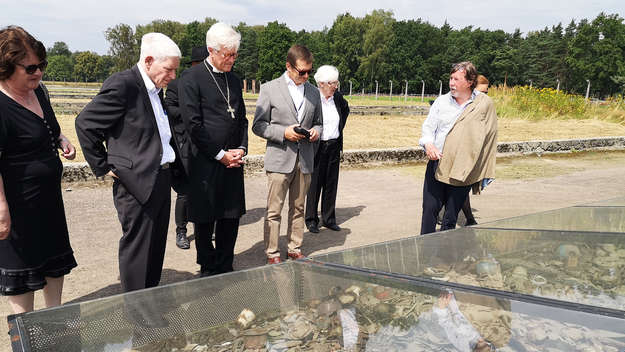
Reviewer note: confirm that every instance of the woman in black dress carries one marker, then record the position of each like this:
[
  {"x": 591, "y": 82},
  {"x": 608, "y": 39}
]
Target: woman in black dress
[{"x": 34, "y": 244}]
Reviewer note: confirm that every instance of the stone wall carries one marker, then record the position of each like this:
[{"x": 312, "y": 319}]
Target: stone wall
[{"x": 81, "y": 172}]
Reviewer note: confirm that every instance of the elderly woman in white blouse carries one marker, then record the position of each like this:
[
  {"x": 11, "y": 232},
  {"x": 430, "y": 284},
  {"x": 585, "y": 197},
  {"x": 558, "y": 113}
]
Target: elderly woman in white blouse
[{"x": 325, "y": 177}]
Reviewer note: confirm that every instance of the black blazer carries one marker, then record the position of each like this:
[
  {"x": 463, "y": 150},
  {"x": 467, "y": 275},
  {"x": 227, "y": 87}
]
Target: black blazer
[
  {"x": 343, "y": 108},
  {"x": 117, "y": 131}
]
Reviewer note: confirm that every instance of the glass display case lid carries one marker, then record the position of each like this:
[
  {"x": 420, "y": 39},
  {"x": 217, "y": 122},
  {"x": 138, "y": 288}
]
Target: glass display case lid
[
  {"x": 586, "y": 218},
  {"x": 614, "y": 202},
  {"x": 579, "y": 269},
  {"x": 304, "y": 306}
]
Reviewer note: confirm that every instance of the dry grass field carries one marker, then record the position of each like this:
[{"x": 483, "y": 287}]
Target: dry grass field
[
  {"x": 389, "y": 131},
  {"x": 525, "y": 114}
]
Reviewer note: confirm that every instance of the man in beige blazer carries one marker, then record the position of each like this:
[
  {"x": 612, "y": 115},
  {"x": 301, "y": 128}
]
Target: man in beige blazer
[
  {"x": 286, "y": 104},
  {"x": 463, "y": 122}
]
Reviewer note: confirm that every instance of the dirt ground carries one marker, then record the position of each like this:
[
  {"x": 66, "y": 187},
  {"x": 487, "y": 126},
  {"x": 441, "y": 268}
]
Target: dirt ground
[{"x": 373, "y": 204}]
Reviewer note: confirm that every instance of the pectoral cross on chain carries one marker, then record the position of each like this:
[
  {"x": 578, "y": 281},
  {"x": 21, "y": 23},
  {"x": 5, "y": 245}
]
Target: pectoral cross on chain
[{"x": 231, "y": 111}]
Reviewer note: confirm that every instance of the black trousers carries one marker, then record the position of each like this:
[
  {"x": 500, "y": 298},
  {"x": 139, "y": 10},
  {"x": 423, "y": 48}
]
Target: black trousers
[
  {"x": 437, "y": 194},
  {"x": 181, "y": 212},
  {"x": 144, "y": 227},
  {"x": 218, "y": 259},
  {"x": 324, "y": 183}
]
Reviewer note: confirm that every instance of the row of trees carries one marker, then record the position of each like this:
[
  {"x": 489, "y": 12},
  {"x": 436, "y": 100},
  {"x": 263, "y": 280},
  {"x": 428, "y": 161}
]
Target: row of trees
[
  {"x": 83, "y": 66},
  {"x": 378, "y": 47}
]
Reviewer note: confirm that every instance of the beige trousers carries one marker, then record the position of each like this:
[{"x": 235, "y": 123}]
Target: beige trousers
[{"x": 296, "y": 183}]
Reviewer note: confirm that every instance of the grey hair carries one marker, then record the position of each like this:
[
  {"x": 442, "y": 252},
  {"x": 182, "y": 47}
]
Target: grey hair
[
  {"x": 222, "y": 34},
  {"x": 327, "y": 73},
  {"x": 159, "y": 46}
]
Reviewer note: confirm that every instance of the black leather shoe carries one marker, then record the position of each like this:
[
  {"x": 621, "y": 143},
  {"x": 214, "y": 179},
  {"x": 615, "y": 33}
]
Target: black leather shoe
[
  {"x": 182, "y": 241},
  {"x": 333, "y": 227},
  {"x": 470, "y": 222},
  {"x": 313, "y": 228}
]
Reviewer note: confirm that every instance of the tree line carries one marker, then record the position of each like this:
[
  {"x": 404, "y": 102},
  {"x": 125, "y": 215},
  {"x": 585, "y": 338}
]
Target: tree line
[{"x": 378, "y": 47}]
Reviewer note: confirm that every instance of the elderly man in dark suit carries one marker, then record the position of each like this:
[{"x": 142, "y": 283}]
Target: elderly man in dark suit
[
  {"x": 212, "y": 108},
  {"x": 180, "y": 179},
  {"x": 325, "y": 178},
  {"x": 124, "y": 133},
  {"x": 288, "y": 116}
]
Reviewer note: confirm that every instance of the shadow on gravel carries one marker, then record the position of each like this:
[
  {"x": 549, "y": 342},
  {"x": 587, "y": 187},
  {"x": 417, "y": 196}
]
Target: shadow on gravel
[
  {"x": 313, "y": 243},
  {"x": 168, "y": 276},
  {"x": 251, "y": 216},
  {"x": 344, "y": 214}
]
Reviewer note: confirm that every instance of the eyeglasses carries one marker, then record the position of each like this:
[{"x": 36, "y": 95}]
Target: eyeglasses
[
  {"x": 228, "y": 56},
  {"x": 31, "y": 69},
  {"x": 302, "y": 73},
  {"x": 333, "y": 83}
]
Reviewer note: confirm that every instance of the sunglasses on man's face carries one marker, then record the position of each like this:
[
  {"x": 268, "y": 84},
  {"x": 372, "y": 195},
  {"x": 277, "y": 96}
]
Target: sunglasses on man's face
[
  {"x": 302, "y": 73},
  {"x": 31, "y": 69}
]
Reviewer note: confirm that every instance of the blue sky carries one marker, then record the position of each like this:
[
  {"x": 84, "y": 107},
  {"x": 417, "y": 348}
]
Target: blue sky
[{"x": 81, "y": 24}]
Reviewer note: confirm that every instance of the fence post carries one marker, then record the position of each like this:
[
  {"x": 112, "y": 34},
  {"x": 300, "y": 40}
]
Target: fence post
[
  {"x": 390, "y": 91},
  {"x": 350, "y": 87},
  {"x": 422, "y": 89},
  {"x": 587, "y": 89},
  {"x": 376, "y": 89},
  {"x": 440, "y": 88},
  {"x": 406, "y": 93}
]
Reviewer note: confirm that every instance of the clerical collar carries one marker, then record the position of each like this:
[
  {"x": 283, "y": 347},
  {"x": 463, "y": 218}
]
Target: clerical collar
[
  {"x": 149, "y": 85},
  {"x": 208, "y": 61}
]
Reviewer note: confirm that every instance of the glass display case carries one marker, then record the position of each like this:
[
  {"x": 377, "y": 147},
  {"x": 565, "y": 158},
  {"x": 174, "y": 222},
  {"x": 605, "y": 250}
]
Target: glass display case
[
  {"x": 582, "y": 218},
  {"x": 303, "y": 306}
]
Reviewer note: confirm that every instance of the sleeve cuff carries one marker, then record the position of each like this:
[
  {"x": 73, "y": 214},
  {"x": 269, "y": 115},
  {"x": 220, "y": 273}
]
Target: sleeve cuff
[{"x": 220, "y": 155}]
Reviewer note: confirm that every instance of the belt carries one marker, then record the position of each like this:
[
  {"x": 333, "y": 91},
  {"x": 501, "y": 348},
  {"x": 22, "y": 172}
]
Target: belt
[
  {"x": 330, "y": 141},
  {"x": 165, "y": 166}
]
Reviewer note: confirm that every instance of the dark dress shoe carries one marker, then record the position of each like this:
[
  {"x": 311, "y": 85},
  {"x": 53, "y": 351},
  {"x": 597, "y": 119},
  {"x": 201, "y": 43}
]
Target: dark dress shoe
[
  {"x": 470, "y": 222},
  {"x": 274, "y": 260},
  {"x": 313, "y": 228},
  {"x": 295, "y": 255},
  {"x": 333, "y": 227},
  {"x": 182, "y": 241}
]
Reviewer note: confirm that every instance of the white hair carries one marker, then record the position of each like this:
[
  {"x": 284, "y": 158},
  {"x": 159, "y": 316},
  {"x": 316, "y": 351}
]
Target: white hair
[
  {"x": 327, "y": 73},
  {"x": 222, "y": 34},
  {"x": 159, "y": 46}
]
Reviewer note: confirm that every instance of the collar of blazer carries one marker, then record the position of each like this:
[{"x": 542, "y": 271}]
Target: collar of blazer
[
  {"x": 145, "y": 97},
  {"x": 286, "y": 95}
]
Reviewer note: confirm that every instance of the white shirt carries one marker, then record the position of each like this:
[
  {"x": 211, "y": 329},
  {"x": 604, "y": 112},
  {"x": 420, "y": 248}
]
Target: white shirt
[
  {"x": 162, "y": 122},
  {"x": 441, "y": 118},
  {"x": 331, "y": 119},
  {"x": 297, "y": 94}
]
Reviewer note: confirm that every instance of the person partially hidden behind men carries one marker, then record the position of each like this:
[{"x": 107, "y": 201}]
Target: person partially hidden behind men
[
  {"x": 325, "y": 178},
  {"x": 124, "y": 133},
  {"x": 180, "y": 178},
  {"x": 460, "y": 140},
  {"x": 286, "y": 105}
]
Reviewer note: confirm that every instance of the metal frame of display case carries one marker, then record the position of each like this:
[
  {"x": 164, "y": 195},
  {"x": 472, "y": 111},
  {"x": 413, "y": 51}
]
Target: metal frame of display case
[{"x": 299, "y": 290}]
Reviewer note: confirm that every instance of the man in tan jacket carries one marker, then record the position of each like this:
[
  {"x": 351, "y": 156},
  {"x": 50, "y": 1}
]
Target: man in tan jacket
[{"x": 463, "y": 122}]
